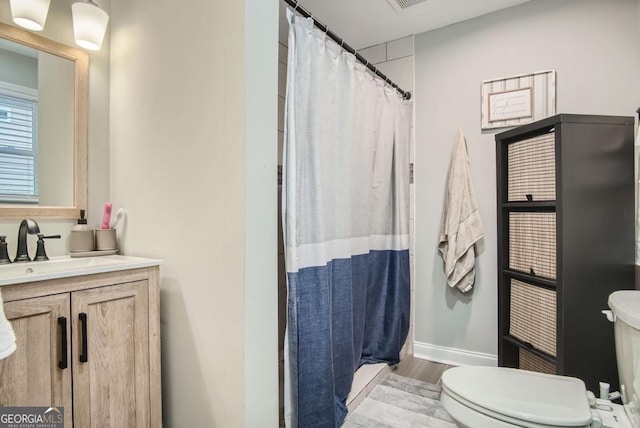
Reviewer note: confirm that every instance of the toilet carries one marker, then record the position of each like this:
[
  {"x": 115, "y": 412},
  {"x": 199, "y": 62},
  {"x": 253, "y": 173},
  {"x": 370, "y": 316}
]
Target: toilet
[{"x": 497, "y": 397}]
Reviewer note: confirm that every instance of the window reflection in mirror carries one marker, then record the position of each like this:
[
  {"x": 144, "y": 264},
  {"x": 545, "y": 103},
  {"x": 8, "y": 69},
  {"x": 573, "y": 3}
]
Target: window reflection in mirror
[
  {"x": 36, "y": 126},
  {"x": 43, "y": 126}
]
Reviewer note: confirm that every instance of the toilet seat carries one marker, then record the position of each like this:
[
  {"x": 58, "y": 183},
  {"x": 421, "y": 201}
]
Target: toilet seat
[
  {"x": 468, "y": 416},
  {"x": 516, "y": 397}
]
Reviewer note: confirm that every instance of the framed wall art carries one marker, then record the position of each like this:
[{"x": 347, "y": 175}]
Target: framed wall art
[{"x": 516, "y": 100}]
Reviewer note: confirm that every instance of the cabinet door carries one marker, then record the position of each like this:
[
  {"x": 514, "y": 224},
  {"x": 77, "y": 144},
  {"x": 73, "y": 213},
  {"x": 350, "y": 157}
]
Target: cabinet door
[
  {"x": 111, "y": 356},
  {"x": 38, "y": 372}
]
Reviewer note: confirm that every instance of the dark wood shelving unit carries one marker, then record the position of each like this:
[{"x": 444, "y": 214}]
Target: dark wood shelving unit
[
  {"x": 529, "y": 347},
  {"x": 531, "y": 279},
  {"x": 530, "y": 206},
  {"x": 566, "y": 231}
]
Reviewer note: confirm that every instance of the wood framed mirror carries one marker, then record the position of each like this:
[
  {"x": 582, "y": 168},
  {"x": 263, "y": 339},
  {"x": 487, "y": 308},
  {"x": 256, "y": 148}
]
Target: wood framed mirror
[{"x": 74, "y": 163}]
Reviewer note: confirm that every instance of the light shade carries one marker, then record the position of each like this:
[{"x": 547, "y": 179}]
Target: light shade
[
  {"x": 30, "y": 14},
  {"x": 89, "y": 25}
]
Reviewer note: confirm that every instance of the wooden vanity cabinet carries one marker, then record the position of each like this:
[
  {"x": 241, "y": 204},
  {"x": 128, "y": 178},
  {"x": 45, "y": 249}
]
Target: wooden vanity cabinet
[
  {"x": 108, "y": 324},
  {"x": 31, "y": 375}
]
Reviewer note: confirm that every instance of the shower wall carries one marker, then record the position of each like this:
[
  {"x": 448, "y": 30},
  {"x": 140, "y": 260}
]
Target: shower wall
[
  {"x": 282, "y": 275},
  {"x": 282, "y": 278}
]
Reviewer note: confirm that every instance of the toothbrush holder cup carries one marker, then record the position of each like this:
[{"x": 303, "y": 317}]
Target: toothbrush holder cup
[{"x": 106, "y": 239}]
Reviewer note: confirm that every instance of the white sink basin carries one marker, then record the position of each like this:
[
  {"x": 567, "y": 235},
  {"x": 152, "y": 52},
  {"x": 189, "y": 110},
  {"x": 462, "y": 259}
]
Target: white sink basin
[{"x": 61, "y": 267}]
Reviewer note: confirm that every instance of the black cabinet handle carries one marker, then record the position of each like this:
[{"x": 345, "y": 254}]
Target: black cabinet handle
[
  {"x": 64, "y": 362},
  {"x": 84, "y": 356}
]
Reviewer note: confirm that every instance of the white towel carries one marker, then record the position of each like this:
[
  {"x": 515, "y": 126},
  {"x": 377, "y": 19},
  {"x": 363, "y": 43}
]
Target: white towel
[
  {"x": 7, "y": 338},
  {"x": 461, "y": 225}
]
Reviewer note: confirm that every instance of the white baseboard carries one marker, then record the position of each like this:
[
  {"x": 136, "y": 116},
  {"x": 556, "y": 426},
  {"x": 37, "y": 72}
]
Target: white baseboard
[{"x": 453, "y": 356}]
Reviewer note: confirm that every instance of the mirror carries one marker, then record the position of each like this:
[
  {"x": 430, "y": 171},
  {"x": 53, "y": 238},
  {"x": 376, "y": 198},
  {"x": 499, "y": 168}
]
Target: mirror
[{"x": 60, "y": 73}]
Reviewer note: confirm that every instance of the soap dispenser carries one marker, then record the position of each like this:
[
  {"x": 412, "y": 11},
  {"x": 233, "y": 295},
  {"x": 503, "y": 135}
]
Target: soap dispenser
[
  {"x": 82, "y": 238},
  {"x": 4, "y": 254}
]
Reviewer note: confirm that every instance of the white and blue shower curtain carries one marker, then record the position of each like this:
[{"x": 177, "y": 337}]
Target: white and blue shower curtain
[{"x": 345, "y": 221}]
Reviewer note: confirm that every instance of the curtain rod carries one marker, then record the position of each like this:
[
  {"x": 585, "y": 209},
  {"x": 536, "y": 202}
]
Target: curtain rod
[{"x": 294, "y": 4}]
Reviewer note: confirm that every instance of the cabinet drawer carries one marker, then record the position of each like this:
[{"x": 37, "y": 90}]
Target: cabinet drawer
[
  {"x": 533, "y": 316},
  {"x": 531, "y": 169},
  {"x": 532, "y": 243},
  {"x": 533, "y": 363}
]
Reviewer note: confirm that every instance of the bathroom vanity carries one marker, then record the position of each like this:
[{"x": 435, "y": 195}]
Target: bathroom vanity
[{"x": 88, "y": 339}]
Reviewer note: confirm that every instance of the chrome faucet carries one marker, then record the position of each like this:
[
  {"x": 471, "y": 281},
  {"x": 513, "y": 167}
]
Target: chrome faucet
[{"x": 27, "y": 226}]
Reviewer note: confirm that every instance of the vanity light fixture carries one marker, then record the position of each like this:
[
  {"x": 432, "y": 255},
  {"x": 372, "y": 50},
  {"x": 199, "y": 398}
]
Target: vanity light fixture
[
  {"x": 30, "y": 14},
  {"x": 89, "y": 24}
]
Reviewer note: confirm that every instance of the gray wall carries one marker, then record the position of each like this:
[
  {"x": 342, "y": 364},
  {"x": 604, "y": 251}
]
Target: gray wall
[
  {"x": 55, "y": 129},
  {"x": 593, "y": 46},
  {"x": 18, "y": 69}
]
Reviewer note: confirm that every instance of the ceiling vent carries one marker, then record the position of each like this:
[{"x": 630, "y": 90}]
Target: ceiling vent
[{"x": 400, "y": 5}]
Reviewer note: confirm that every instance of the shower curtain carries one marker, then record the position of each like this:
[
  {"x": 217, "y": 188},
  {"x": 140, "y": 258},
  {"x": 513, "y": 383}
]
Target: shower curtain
[{"x": 345, "y": 221}]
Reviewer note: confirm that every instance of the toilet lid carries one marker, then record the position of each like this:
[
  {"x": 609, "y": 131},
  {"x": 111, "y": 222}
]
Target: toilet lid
[
  {"x": 625, "y": 304},
  {"x": 519, "y": 394}
]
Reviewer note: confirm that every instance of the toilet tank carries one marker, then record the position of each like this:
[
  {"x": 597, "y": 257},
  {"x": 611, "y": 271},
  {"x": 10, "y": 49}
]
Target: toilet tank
[{"x": 625, "y": 305}]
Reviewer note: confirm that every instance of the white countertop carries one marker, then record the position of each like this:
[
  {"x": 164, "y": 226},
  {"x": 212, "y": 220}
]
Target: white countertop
[{"x": 63, "y": 267}]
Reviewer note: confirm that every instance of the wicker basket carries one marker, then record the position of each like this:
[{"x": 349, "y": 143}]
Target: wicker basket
[
  {"x": 531, "y": 167},
  {"x": 532, "y": 243},
  {"x": 533, "y": 363},
  {"x": 533, "y": 316}
]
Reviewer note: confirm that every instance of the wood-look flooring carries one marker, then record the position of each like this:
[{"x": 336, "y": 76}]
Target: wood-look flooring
[{"x": 424, "y": 370}]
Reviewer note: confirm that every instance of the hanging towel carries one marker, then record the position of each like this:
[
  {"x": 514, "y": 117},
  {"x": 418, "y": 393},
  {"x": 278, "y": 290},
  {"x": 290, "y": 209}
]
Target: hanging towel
[
  {"x": 461, "y": 225},
  {"x": 7, "y": 338}
]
